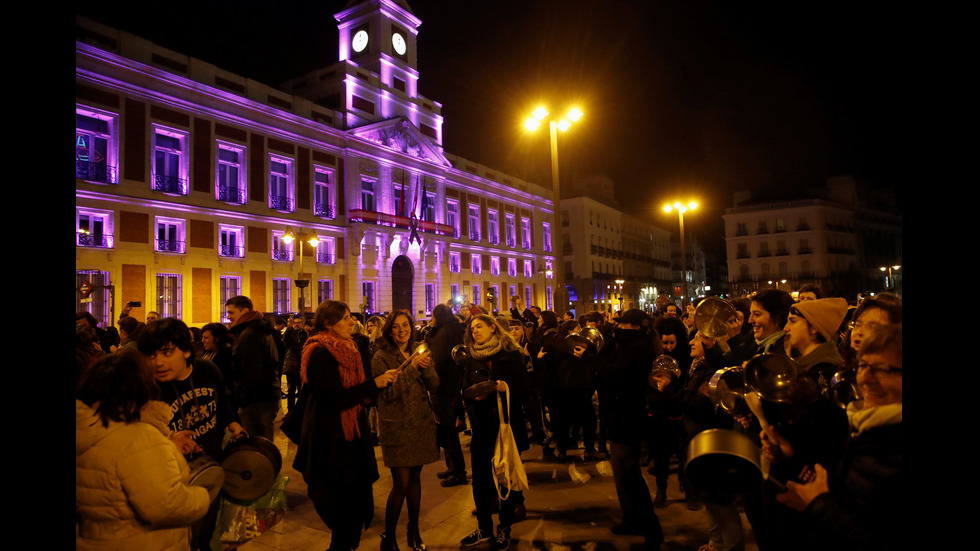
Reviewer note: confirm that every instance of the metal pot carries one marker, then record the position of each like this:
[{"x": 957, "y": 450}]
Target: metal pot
[
  {"x": 206, "y": 473},
  {"x": 251, "y": 465},
  {"x": 723, "y": 462}
]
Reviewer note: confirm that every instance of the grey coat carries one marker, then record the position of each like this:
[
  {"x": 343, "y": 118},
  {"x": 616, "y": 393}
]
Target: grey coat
[{"x": 406, "y": 424}]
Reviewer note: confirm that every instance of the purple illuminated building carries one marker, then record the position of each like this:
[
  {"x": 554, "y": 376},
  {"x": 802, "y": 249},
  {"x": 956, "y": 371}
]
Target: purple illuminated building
[{"x": 187, "y": 177}]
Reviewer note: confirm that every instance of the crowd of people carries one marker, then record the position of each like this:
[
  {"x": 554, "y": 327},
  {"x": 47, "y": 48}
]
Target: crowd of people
[{"x": 160, "y": 393}]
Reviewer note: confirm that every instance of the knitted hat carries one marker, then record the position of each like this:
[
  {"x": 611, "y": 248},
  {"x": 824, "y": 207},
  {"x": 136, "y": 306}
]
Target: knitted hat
[{"x": 825, "y": 315}]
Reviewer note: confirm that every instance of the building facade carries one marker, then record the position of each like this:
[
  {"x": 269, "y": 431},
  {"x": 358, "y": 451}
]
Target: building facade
[
  {"x": 187, "y": 178},
  {"x": 837, "y": 237}
]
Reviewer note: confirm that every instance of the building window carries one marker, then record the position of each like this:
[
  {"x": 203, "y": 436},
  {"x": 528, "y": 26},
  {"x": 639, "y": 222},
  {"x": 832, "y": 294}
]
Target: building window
[
  {"x": 96, "y": 145},
  {"x": 510, "y": 228},
  {"x": 474, "y": 218},
  {"x": 743, "y": 250},
  {"x": 780, "y": 225},
  {"x": 281, "y": 250},
  {"x": 495, "y": 265},
  {"x": 280, "y": 294},
  {"x": 548, "y": 299},
  {"x": 367, "y": 194},
  {"x": 323, "y": 205},
  {"x": 763, "y": 228},
  {"x": 526, "y": 233},
  {"x": 528, "y": 268},
  {"x": 476, "y": 295},
  {"x": 454, "y": 262},
  {"x": 170, "y": 163},
  {"x": 281, "y": 190},
  {"x": 527, "y": 296},
  {"x": 231, "y": 286},
  {"x": 326, "y": 251},
  {"x": 93, "y": 228},
  {"x": 168, "y": 295},
  {"x": 367, "y": 291},
  {"x": 549, "y": 271},
  {"x": 512, "y": 267},
  {"x": 475, "y": 264},
  {"x": 452, "y": 217},
  {"x": 430, "y": 298},
  {"x": 170, "y": 235},
  {"x": 230, "y": 185},
  {"x": 493, "y": 227},
  {"x": 324, "y": 290},
  {"x": 98, "y": 306},
  {"x": 231, "y": 241},
  {"x": 740, "y": 229},
  {"x": 512, "y": 292},
  {"x": 454, "y": 294},
  {"x": 398, "y": 191},
  {"x": 546, "y": 237},
  {"x": 429, "y": 207}
]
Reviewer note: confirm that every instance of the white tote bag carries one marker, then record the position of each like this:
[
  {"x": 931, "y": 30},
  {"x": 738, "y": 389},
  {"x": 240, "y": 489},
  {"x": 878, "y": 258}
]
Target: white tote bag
[{"x": 508, "y": 469}]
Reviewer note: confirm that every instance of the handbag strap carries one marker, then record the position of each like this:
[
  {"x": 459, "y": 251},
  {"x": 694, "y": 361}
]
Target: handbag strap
[{"x": 500, "y": 407}]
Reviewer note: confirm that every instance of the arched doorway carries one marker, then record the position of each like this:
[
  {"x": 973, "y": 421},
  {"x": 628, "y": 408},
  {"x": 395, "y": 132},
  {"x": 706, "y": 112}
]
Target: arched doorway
[{"x": 402, "y": 284}]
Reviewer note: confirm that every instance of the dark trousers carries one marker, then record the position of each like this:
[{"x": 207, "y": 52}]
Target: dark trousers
[
  {"x": 484, "y": 489},
  {"x": 632, "y": 491},
  {"x": 449, "y": 440}
]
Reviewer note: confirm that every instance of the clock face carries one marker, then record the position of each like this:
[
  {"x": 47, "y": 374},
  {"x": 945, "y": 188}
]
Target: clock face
[
  {"x": 398, "y": 42},
  {"x": 360, "y": 41}
]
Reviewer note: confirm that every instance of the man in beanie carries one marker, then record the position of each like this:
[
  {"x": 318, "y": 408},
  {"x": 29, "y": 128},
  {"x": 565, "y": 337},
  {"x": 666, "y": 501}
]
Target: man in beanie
[
  {"x": 812, "y": 330},
  {"x": 255, "y": 360}
]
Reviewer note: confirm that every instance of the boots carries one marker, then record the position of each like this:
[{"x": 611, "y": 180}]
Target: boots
[{"x": 414, "y": 538}]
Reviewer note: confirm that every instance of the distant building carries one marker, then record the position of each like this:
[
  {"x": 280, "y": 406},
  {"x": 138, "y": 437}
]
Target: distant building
[
  {"x": 837, "y": 237},
  {"x": 187, "y": 178}
]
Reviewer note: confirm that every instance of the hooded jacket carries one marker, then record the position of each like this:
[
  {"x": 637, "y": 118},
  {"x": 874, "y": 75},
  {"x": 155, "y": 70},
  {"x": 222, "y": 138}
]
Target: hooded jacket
[{"x": 131, "y": 487}]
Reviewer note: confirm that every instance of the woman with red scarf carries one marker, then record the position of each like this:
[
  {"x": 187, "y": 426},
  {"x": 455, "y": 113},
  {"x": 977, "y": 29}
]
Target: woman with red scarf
[{"x": 335, "y": 454}]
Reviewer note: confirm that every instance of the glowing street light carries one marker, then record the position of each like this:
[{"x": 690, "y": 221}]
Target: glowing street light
[
  {"x": 681, "y": 209},
  {"x": 890, "y": 278},
  {"x": 314, "y": 242},
  {"x": 538, "y": 116}
]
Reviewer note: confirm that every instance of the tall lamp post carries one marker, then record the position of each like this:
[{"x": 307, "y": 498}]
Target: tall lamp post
[
  {"x": 681, "y": 209},
  {"x": 890, "y": 279},
  {"x": 301, "y": 284},
  {"x": 620, "y": 283},
  {"x": 532, "y": 123}
]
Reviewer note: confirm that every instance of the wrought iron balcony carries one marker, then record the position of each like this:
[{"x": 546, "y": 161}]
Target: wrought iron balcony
[
  {"x": 493, "y": 238},
  {"x": 284, "y": 255},
  {"x": 511, "y": 241},
  {"x": 384, "y": 219},
  {"x": 456, "y": 233},
  {"x": 326, "y": 258},
  {"x": 231, "y": 250},
  {"x": 526, "y": 245},
  {"x": 95, "y": 172},
  {"x": 169, "y": 184},
  {"x": 232, "y": 195},
  {"x": 281, "y": 202},
  {"x": 165, "y": 246},
  {"x": 88, "y": 240},
  {"x": 324, "y": 210},
  {"x": 474, "y": 235}
]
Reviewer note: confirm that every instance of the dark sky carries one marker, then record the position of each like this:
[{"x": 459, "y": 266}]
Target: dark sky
[{"x": 682, "y": 98}]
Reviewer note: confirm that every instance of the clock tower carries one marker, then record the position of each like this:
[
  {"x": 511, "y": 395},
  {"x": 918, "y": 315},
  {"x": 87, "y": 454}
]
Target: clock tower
[{"x": 380, "y": 36}]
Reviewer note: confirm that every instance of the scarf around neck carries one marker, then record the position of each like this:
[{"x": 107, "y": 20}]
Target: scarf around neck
[
  {"x": 487, "y": 349},
  {"x": 349, "y": 366}
]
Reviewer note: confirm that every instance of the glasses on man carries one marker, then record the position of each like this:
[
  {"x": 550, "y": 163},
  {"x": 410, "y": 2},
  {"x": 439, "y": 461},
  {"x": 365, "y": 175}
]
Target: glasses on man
[{"x": 880, "y": 368}]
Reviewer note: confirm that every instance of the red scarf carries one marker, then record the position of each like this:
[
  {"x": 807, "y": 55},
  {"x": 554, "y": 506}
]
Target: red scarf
[{"x": 351, "y": 372}]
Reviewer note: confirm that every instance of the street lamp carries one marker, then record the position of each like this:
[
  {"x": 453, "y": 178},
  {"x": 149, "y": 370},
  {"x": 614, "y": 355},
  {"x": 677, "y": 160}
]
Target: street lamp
[
  {"x": 620, "y": 283},
  {"x": 889, "y": 278},
  {"x": 681, "y": 209},
  {"x": 538, "y": 116},
  {"x": 303, "y": 237}
]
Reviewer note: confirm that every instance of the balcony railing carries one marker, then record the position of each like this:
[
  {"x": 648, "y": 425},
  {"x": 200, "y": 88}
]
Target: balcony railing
[
  {"x": 232, "y": 195},
  {"x": 511, "y": 241},
  {"x": 101, "y": 241},
  {"x": 95, "y": 172},
  {"x": 281, "y": 202},
  {"x": 494, "y": 239},
  {"x": 526, "y": 245},
  {"x": 384, "y": 219},
  {"x": 165, "y": 246},
  {"x": 236, "y": 251},
  {"x": 805, "y": 250},
  {"x": 326, "y": 258},
  {"x": 474, "y": 235},
  {"x": 324, "y": 210},
  {"x": 173, "y": 185},
  {"x": 284, "y": 255}
]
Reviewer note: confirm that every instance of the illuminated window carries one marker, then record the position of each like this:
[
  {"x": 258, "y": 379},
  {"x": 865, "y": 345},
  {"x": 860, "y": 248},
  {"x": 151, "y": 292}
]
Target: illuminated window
[
  {"x": 548, "y": 270},
  {"x": 454, "y": 263},
  {"x": 280, "y": 294},
  {"x": 96, "y": 145},
  {"x": 474, "y": 219},
  {"x": 452, "y": 216},
  {"x": 528, "y": 268},
  {"x": 281, "y": 185},
  {"x": 454, "y": 293},
  {"x": 324, "y": 290},
  {"x": 526, "y": 233},
  {"x": 231, "y": 241},
  {"x": 326, "y": 252},
  {"x": 231, "y": 286},
  {"x": 476, "y": 295},
  {"x": 168, "y": 295},
  {"x": 548, "y": 299},
  {"x": 430, "y": 297},
  {"x": 93, "y": 228},
  {"x": 495, "y": 265},
  {"x": 527, "y": 296},
  {"x": 170, "y": 166},
  {"x": 429, "y": 208},
  {"x": 367, "y": 289},
  {"x": 169, "y": 235},
  {"x": 493, "y": 227},
  {"x": 323, "y": 205},
  {"x": 281, "y": 250},
  {"x": 546, "y": 237},
  {"x": 512, "y": 267},
  {"x": 367, "y": 194},
  {"x": 401, "y": 206},
  {"x": 475, "y": 266},
  {"x": 230, "y": 185},
  {"x": 510, "y": 227},
  {"x": 98, "y": 302}
]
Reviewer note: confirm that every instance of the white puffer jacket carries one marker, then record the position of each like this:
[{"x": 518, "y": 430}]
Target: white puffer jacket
[{"x": 131, "y": 487}]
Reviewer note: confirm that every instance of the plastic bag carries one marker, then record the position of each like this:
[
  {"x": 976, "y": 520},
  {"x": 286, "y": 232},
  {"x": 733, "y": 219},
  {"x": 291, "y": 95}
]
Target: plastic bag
[
  {"x": 241, "y": 521},
  {"x": 508, "y": 469}
]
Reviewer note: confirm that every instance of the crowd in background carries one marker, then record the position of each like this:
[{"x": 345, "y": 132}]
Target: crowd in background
[{"x": 151, "y": 395}]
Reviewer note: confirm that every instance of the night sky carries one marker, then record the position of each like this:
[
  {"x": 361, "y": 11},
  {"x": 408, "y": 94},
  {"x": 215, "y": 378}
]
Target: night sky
[{"x": 682, "y": 98}]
